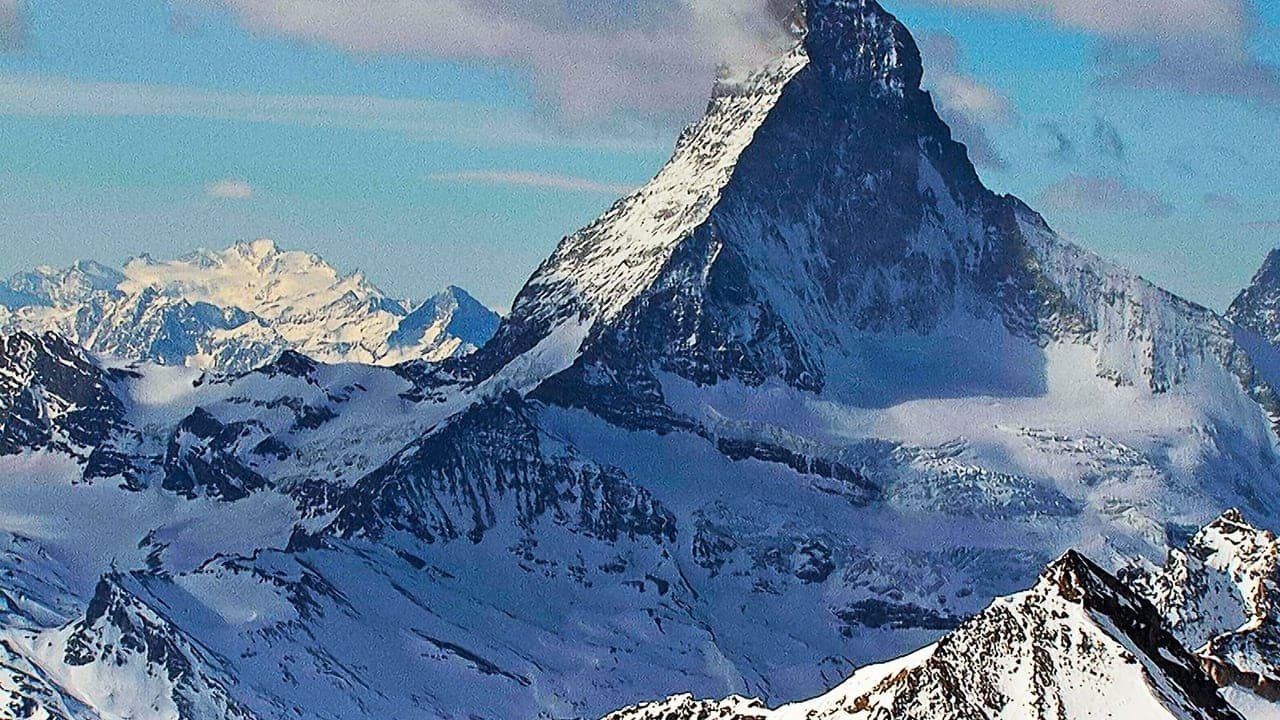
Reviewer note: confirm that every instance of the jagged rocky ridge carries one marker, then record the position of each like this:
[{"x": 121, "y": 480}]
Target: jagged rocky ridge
[
  {"x": 236, "y": 309},
  {"x": 804, "y": 403},
  {"x": 494, "y": 465},
  {"x": 54, "y": 397},
  {"x": 1080, "y": 644},
  {"x": 1221, "y": 597}
]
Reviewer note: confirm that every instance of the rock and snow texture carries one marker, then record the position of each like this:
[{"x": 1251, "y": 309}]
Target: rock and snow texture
[
  {"x": 452, "y": 323},
  {"x": 1257, "y": 307},
  {"x": 236, "y": 309},
  {"x": 1078, "y": 645},
  {"x": 1221, "y": 596},
  {"x": 126, "y": 660},
  {"x": 820, "y": 227},
  {"x": 54, "y": 397},
  {"x": 804, "y": 403}
]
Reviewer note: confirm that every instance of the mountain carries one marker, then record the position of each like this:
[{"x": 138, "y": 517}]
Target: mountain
[
  {"x": 126, "y": 660},
  {"x": 1080, "y": 644},
  {"x": 452, "y": 323},
  {"x": 821, "y": 227},
  {"x": 238, "y": 308},
  {"x": 805, "y": 403},
  {"x": 1257, "y": 307},
  {"x": 1220, "y": 594},
  {"x": 53, "y": 397}
]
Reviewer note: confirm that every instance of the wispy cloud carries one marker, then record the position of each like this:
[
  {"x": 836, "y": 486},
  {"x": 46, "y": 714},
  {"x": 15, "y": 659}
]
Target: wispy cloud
[
  {"x": 51, "y": 96},
  {"x": 969, "y": 106},
  {"x": 1263, "y": 226},
  {"x": 1062, "y": 146},
  {"x": 1104, "y": 194},
  {"x": 533, "y": 180},
  {"x": 1221, "y": 201},
  {"x": 229, "y": 189},
  {"x": 1202, "y": 47},
  {"x": 1108, "y": 141},
  {"x": 13, "y": 25},
  {"x": 588, "y": 58}
]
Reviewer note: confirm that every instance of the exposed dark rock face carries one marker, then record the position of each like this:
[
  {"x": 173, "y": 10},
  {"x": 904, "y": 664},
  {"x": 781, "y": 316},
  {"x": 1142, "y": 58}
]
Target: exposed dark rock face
[
  {"x": 52, "y": 396},
  {"x": 291, "y": 363},
  {"x": 493, "y": 464},
  {"x": 1257, "y": 307},
  {"x": 120, "y": 631},
  {"x": 203, "y": 458}
]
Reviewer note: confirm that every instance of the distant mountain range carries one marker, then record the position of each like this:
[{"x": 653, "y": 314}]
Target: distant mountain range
[
  {"x": 239, "y": 308},
  {"x": 813, "y": 418}
]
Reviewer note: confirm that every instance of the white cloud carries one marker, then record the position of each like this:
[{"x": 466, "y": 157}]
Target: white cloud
[
  {"x": 968, "y": 105},
  {"x": 532, "y": 179},
  {"x": 229, "y": 189},
  {"x": 589, "y": 58},
  {"x": 980, "y": 102}
]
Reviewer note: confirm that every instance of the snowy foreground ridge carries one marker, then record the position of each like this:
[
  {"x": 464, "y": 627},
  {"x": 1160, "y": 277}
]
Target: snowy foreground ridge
[
  {"x": 813, "y": 418},
  {"x": 1079, "y": 644}
]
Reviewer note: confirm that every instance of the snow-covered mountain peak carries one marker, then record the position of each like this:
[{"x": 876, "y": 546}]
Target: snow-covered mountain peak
[
  {"x": 256, "y": 277},
  {"x": 1231, "y": 540},
  {"x": 58, "y": 286},
  {"x": 857, "y": 42},
  {"x": 1079, "y": 645},
  {"x": 1224, "y": 579},
  {"x": 1075, "y": 578},
  {"x": 816, "y": 222},
  {"x": 820, "y": 192},
  {"x": 1220, "y": 595},
  {"x": 236, "y": 308},
  {"x": 128, "y": 660}
]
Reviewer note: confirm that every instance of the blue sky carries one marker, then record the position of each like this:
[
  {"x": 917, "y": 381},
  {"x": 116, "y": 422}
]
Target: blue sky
[{"x": 424, "y": 156}]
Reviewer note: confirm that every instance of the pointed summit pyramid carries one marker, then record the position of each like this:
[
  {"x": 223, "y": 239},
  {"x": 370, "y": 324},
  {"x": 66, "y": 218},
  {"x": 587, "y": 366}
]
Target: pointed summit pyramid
[
  {"x": 857, "y": 44},
  {"x": 821, "y": 227}
]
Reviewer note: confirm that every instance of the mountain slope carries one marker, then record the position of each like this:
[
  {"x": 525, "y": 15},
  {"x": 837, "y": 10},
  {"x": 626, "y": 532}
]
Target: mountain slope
[
  {"x": 54, "y": 397},
  {"x": 1221, "y": 596},
  {"x": 1257, "y": 307},
  {"x": 125, "y": 660},
  {"x": 1078, "y": 645},
  {"x": 804, "y": 403},
  {"x": 238, "y": 308}
]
